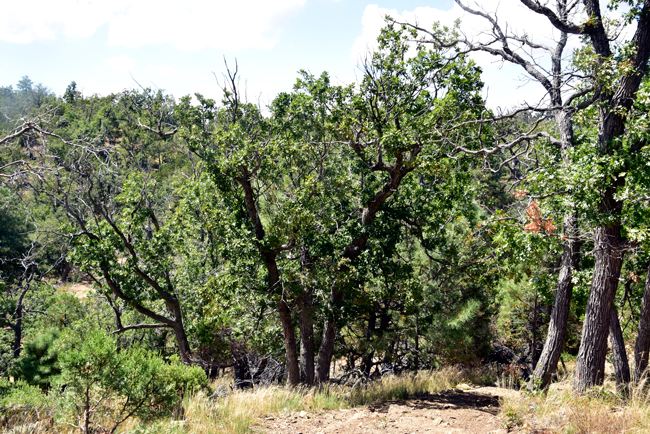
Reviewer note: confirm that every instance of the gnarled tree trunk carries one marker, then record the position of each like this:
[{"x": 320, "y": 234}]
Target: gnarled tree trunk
[{"x": 590, "y": 364}]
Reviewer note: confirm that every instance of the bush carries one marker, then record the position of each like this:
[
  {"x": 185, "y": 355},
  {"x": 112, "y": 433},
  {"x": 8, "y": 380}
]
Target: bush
[
  {"x": 104, "y": 386},
  {"x": 22, "y": 403},
  {"x": 38, "y": 364}
]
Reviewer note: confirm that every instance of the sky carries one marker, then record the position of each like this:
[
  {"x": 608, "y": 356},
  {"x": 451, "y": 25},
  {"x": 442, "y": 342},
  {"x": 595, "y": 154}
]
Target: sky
[{"x": 180, "y": 46}]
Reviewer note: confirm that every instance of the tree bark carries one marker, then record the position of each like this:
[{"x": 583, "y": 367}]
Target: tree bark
[
  {"x": 183, "y": 343},
  {"x": 642, "y": 344},
  {"x": 326, "y": 349},
  {"x": 17, "y": 326},
  {"x": 306, "y": 324},
  {"x": 269, "y": 257},
  {"x": 621, "y": 365},
  {"x": 289, "y": 332},
  {"x": 557, "y": 328},
  {"x": 590, "y": 364},
  {"x": 366, "y": 363}
]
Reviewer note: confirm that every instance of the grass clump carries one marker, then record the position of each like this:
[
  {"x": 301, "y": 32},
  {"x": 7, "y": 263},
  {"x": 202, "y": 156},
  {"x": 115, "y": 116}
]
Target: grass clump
[
  {"x": 600, "y": 411},
  {"x": 403, "y": 386}
]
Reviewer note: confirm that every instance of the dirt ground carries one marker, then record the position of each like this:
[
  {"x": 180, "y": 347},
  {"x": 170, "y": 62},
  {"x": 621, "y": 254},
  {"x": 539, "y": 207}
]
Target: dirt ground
[{"x": 450, "y": 412}]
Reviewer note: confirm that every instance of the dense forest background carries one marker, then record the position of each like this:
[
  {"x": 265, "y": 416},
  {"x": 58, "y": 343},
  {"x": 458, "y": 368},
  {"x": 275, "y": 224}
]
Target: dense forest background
[{"x": 392, "y": 225}]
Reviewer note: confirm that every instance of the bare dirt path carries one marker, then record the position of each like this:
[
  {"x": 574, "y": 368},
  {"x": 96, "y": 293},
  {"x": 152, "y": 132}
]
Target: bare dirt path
[{"x": 454, "y": 411}]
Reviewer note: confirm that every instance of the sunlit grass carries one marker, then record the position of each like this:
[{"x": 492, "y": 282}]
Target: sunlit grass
[
  {"x": 241, "y": 411},
  {"x": 600, "y": 411}
]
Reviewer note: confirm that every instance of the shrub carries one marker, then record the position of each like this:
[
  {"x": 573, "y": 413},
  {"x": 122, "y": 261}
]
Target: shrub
[
  {"x": 104, "y": 386},
  {"x": 22, "y": 403},
  {"x": 38, "y": 364}
]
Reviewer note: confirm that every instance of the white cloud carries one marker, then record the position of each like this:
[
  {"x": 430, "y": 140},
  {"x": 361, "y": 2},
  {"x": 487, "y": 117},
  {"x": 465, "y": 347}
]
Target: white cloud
[
  {"x": 36, "y": 20},
  {"x": 162, "y": 69},
  {"x": 506, "y": 84},
  {"x": 120, "y": 63},
  {"x": 188, "y": 25}
]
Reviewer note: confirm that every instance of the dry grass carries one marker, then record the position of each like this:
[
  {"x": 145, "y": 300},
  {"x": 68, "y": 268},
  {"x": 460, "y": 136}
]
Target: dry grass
[
  {"x": 241, "y": 411},
  {"x": 601, "y": 411},
  {"x": 401, "y": 387}
]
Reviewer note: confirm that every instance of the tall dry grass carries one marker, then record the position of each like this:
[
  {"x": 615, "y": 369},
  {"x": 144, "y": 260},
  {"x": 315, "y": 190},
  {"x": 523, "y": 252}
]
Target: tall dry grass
[
  {"x": 600, "y": 411},
  {"x": 239, "y": 412}
]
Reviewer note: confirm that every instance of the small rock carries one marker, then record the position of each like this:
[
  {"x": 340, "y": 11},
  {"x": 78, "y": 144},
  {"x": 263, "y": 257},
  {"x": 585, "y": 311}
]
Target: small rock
[
  {"x": 303, "y": 413},
  {"x": 436, "y": 421}
]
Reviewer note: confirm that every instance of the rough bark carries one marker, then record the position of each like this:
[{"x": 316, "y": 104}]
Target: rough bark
[
  {"x": 548, "y": 359},
  {"x": 533, "y": 356},
  {"x": 621, "y": 365},
  {"x": 642, "y": 344},
  {"x": 181, "y": 339},
  {"x": 306, "y": 324},
  {"x": 289, "y": 332},
  {"x": 607, "y": 237},
  {"x": 326, "y": 349},
  {"x": 590, "y": 364},
  {"x": 17, "y": 326}
]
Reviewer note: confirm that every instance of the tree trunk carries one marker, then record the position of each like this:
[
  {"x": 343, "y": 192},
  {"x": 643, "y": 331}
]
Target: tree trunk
[
  {"x": 642, "y": 344},
  {"x": 354, "y": 249},
  {"x": 306, "y": 323},
  {"x": 17, "y": 328},
  {"x": 183, "y": 343},
  {"x": 289, "y": 332},
  {"x": 269, "y": 257},
  {"x": 547, "y": 362},
  {"x": 533, "y": 356},
  {"x": 621, "y": 365},
  {"x": 416, "y": 360},
  {"x": 590, "y": 364},
  {"x": 366, "y": 363},
  {"x": 327, "y": 342},
  {"x": 177, "y": 326}
]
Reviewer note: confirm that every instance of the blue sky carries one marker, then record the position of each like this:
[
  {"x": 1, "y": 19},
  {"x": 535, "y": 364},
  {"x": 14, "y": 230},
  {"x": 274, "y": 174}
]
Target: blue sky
[{"x": 105, "y": 46}]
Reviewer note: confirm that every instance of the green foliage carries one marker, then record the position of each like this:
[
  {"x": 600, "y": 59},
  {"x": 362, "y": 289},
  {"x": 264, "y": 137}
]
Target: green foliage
[
  {"x": 116, "y": 385},
  {"x": 22, "y": 394},
  {"x": 38, "y": 363},
  {"x": 22, "y": 404}
]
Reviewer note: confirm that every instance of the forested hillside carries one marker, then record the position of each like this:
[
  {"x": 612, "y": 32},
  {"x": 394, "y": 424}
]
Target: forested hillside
[{"x": 393, "y": 225}]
